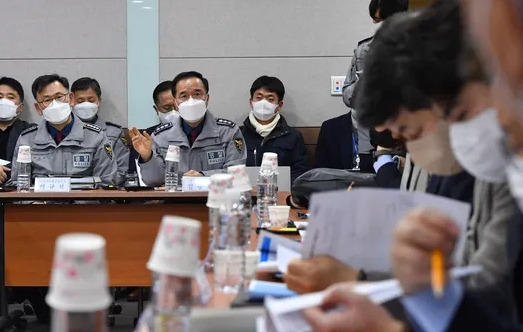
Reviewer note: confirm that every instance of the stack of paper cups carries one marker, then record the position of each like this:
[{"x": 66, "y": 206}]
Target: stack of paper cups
[
  {"x": 79, "y": 281},
  {"x": 270, "y": 159},
  {"x": 176, "y": 250},
  {"x": 216, "y": 196},
  {"x": 173, "y": 153},
  {"x": 240, "y": 178},
  {"x": 24, "y": 154}
]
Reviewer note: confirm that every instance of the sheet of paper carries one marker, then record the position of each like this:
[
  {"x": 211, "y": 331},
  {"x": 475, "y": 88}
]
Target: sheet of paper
[
  {"x": 4, "y": 162},
  {"x": 284, "y": 256},
  {"x": 356, "y": 226},
  {"x": 286, "y": 315}
]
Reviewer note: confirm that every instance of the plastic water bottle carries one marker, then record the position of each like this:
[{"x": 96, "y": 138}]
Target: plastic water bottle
[
  {"x": 267, "y": 188},
  {"x": 172, "y": 160},
  {"x": 64, "y": 321},
  {"x": 23, "y": 181},
  {"x": 229, "y": 251},
  {"x": 246, "y": 205},
  {"x": 172, "y": 302}
]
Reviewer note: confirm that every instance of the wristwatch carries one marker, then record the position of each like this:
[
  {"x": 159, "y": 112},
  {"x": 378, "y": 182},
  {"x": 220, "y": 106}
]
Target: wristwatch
[{"x": 378, "y": 153}]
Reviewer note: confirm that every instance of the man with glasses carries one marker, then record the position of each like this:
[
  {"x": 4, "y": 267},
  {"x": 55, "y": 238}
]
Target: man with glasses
[
  {"x": 61, "y": 144},
  {"x": 207, "y": 144}
]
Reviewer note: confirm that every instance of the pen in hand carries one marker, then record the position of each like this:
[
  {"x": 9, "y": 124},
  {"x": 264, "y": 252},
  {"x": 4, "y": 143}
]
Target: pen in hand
[{"x": 437, "y": 273}]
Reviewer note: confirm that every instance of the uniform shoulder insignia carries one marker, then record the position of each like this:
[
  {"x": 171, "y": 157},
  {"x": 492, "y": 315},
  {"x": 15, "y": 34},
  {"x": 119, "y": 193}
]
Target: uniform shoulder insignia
[
  {"x": 28, "y": 130},
  {"x": 92, "y": 127},
  {"x": 162, "y": 127},
  {"x": 112, "y": 124},
  {"x": 365, "y": 40},
  {"x": 225, "y": 122}
]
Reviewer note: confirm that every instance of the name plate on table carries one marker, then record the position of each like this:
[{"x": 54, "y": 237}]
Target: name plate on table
[
  {"x": 196, "y": 183},
  {"x": 52, "y": 185}
]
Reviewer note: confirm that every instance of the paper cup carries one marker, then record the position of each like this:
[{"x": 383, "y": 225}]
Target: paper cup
[
  {"x": 270, "y": 159},
  {"x": 216, "y": 196},
  {"x": 79, "y": 281},
  {"x": 240, "y": 178},
  {"x": 176, "y": 250},
  {"x": 173, "y": 153},
  {"x": 24, "y": 154},
  {"x": 279, "y": 215}
]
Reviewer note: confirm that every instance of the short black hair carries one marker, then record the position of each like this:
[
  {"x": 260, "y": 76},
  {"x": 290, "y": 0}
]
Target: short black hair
[
  {"x": 189, "y": 74},
  {"x": 387, "y": 8},
  {"x": 41, "y": 82},
  {"x": 86, "y": 83},
  {"x": 13, "y": 84},
  {"x": 269, "y": 83},
  {"x": 162, "y": 87},
  {"x": 412, "y": 64}
]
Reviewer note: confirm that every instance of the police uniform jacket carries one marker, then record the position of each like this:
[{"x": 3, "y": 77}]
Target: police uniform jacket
[
  {"x": 86, "y": 151},
  {"x": 283, "y": 140},
  {"x": 120, "y": 147},
  {"x": 218, "y": 146}
]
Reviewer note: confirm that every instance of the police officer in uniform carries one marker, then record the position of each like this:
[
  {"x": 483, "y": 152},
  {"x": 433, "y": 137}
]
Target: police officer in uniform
[
  {"x": 87, "y": 98},
  {"x": 207, "y": 144},
  {"x": 62, "y": 144}
]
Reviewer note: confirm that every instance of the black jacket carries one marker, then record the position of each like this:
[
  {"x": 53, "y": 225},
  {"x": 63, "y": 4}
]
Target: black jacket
[
  {"x": 18, "y": 127},
  {"x": 334, "y": 148},
  {"x": 287, "y": 142}
]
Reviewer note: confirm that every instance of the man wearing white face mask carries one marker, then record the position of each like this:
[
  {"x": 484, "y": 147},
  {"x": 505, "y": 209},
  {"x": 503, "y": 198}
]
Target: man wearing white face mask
[
  {"x": 87, "y": 97},
  {"x": 61, "y": 144},
  {"x": 11, "y": 104},
  {"x": 207, "y": 144},
  {"x": 265, "y": 130}
]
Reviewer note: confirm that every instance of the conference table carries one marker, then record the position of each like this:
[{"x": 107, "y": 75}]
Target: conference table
[{"x": 129, "y": 221}]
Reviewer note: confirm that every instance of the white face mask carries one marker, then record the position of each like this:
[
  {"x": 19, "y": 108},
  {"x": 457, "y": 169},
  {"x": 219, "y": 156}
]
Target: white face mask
[
  {"x": 7, "y": 109},
  {"x": 192, "y": 110},
  {"x": 86, "y": 110},
  {"x": 263, "y": 110},
  {"x": 478, "y": 146},
  {"x": 171, "y": 116},
  {"x": 57, "y": 112},
  {"x": 433, "y": 152},
  {"x": 514, "y": 171}
]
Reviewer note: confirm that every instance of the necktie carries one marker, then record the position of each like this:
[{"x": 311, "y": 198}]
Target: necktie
[
  {"x": 59, "y": 137},
  {"x": 194, "y": 134}
]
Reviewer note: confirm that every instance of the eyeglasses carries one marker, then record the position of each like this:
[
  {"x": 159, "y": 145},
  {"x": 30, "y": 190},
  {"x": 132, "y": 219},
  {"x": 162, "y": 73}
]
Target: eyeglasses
[
  {"x": 197, "y": 95},
  {"x": 58, "y": 97}
]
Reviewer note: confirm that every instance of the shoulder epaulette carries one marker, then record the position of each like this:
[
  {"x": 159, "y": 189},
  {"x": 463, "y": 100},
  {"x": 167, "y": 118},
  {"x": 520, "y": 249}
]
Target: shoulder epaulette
[
  {"x": 365, "y": 40},
  {"x": 28, "y": 130},
  {"x": 112, "y": 124},
  {"x": 225, "y": 122},
  {"x": 92, "y": 127},
  {"x": 162, "y": 127}
]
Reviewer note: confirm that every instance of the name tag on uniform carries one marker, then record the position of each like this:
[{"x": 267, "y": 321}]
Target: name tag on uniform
[
  {"x": 81, "y": 160},
  {"x": 216, "y": 157}
]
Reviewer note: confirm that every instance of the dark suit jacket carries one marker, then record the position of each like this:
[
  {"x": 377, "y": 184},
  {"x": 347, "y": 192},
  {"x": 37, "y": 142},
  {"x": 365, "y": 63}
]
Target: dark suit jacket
[
  {"x": 334, "y": 147},
  {"x": 17, "y": 127}
]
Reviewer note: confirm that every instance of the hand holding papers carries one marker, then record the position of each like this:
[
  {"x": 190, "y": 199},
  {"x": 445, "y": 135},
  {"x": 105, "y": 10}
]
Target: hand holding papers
[
  {"x": 356, "y": 227},
  {"x": 286, "y": 314}
]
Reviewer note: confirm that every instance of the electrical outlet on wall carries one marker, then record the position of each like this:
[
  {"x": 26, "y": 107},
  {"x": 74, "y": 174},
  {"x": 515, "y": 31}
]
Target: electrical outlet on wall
[{"x": 337, "y": 85}]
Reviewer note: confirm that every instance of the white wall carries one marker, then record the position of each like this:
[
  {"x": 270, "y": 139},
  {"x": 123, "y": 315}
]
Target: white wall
[{"x": 231, "y": 42}]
